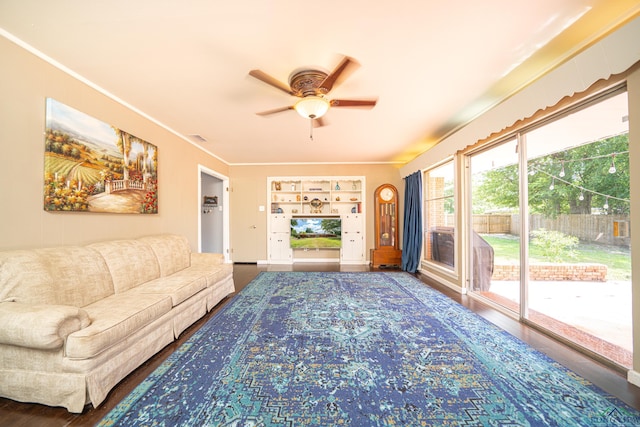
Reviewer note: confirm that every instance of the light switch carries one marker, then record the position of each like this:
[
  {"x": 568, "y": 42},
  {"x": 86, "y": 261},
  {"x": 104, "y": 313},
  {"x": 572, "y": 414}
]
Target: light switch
[{"x": 261, "y": 208}]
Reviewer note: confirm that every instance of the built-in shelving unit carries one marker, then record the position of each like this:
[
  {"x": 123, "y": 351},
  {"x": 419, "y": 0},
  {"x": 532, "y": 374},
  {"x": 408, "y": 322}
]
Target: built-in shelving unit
[
  {"x": 322, "y": 196},
  {"x": 316, "y": 196}
]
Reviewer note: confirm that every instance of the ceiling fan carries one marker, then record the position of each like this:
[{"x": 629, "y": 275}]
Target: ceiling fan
[{"x": 312, "y": 86}]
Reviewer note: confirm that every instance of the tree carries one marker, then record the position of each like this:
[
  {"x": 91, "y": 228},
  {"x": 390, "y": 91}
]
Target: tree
[
  {"x": 498, "y": 188},
  {"x": 294, "y": 232},
  {"x": 567, "y": 182},
  {"x": 330, "y": 226},
  {"x": 586, "y": 172},
  {"x": 124, "y": 145}
]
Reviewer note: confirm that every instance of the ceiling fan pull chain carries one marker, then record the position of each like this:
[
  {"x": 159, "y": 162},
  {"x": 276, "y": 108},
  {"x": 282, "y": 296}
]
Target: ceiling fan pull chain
[{"x": 311, "y": 128}]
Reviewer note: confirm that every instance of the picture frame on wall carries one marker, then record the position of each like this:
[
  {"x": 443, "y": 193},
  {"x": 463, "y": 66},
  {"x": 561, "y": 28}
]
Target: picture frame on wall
[{"x": 91, "y": 166}]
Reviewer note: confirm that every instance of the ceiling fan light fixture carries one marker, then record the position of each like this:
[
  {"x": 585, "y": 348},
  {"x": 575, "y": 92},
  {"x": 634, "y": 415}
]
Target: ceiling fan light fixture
[{"x": 312, "y": 107}]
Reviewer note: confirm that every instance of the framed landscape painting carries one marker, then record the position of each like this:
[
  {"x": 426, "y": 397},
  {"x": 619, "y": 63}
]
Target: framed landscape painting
[{"x": 91, "y": 166}]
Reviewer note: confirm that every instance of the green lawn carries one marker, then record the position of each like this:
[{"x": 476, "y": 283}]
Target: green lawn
[
  {"x": 617, "y": 259},
  {"x": 316, "y": 242}
]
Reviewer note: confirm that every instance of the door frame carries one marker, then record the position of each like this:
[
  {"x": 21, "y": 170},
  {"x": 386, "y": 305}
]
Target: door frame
[{"x": 225, "y": 209}]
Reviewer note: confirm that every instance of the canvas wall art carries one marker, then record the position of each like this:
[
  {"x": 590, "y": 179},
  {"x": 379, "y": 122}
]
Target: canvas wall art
[{"x": 91, "y": 166}]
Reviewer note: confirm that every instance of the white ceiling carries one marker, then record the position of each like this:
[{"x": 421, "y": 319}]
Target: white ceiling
[{"x": 433, "y": 65}]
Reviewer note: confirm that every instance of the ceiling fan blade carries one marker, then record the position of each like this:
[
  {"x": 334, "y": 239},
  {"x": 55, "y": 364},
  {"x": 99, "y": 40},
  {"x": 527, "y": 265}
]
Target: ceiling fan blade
[
  {"x": 319, "y": 122},
  {"x": 261, "y": 75},
  {"x": 363, "y": 103},
  {"x": 345, "y": 67},
  {"x": 275, "y": 110}
]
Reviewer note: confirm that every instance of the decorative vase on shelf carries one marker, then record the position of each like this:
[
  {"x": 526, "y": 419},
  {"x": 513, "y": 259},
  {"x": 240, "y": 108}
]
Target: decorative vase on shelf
[
  {"x": 293, "y": 187},
  {"x": 337, "y": 186},
  {"x": 354, "y": 186}
]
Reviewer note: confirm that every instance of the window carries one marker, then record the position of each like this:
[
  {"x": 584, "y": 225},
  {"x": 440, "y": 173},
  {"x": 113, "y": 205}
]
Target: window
[{"x": 439, "y": 241}]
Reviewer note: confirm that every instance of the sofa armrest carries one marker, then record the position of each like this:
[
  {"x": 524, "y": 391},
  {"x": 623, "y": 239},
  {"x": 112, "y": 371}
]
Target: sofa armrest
[
  {"x": 200, "y": 259},
  {"x": 39, "y": 326}
]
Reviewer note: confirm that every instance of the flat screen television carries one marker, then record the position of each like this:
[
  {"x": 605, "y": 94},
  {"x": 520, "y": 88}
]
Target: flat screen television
[{"x": 316, "y": 233}]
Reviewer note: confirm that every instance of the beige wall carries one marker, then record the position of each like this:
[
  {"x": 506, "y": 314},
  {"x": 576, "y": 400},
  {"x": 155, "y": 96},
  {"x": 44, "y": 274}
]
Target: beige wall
[
  {"x": 25, "y": 82},
  {"x": 249, "y": 191}
]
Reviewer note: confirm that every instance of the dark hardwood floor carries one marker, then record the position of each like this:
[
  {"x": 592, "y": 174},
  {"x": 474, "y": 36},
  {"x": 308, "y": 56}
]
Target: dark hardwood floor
[{"x": 17, "y": 414}]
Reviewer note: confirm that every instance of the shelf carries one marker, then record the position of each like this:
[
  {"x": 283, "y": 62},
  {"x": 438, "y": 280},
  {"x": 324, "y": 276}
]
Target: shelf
[
  {"x": 292, "y": 195},
  {"x": 286, "y": 199},
  {"x": 323, "y": 215}
]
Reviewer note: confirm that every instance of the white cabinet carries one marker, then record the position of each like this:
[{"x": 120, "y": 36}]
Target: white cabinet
[
  {"x": 321, "y": 197},
  {"x": 279, "y": 235},
  {"x": 352, "y": 239},
  {"x": 280, "y": 251}
]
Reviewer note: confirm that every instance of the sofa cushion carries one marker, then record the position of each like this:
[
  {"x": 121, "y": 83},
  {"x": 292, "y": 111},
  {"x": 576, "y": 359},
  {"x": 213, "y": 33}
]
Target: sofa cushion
[
  {"x": 24, "y": 278},
  {"x": 206, "y": 259},
  {"x": 179, "y": 286},
  {"x": 212, "y": 273},
  {"x": 39, "y": 326},
  {"x": 113, "y": 319},
  {"x": 54, "y": 275},
  {"x": 212, "y": 265},
  {"x": 131, "y": 262},
  {"x": 172, "y": 251}
]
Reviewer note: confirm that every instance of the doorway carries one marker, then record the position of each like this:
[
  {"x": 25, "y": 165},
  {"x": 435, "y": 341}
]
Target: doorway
[{"x": 213, "y": 220}]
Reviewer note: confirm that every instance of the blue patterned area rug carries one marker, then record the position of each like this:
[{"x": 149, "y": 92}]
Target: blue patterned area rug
[{"x": 359, "y": 349}]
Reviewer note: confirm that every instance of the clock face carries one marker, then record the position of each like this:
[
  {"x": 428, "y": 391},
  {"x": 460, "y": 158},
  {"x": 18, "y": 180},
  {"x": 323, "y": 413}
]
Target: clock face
[{"x": 386, "y": 194}]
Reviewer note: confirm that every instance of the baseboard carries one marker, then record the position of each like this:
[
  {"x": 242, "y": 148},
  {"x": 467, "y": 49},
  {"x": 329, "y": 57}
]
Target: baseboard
[
  {"x": 633, "y": 377},
  {"x": 316, "y": 260},
  {"x": 442, "y": 281}
]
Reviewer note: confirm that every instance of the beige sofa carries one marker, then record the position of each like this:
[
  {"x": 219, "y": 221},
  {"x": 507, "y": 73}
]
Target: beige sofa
[{"x": 77, "y": 320}]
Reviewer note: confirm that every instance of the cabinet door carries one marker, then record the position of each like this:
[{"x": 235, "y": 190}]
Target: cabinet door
[
  {"x": 352, "y": 246},
  {"x": 279, "y": 247},
  {"x": 280, "y": 224},
  {"x": 352, "y": 238}
]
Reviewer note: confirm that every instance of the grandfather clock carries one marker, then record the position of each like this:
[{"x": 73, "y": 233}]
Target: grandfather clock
[{"x": 386, "y": 252}]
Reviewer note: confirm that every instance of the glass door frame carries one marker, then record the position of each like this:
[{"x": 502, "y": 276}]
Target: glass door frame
[
  {"x": 516, "y": 138},
  {"x": 521, "y": 139}
]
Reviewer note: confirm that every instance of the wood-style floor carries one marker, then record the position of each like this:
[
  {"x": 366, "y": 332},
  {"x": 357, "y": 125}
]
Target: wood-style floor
[{"x": 17, "y": 414}]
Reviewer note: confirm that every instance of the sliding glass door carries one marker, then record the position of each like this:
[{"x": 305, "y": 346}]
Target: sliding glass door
[
  {"x": 579, "y": 254},
  {"x": 569, "y": 178},
  {"x": 495, "y": 240}
]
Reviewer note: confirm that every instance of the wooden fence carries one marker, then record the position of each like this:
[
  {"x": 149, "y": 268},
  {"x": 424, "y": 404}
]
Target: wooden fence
[
  {"x": 603, "y": 229},
  {"x": 492, "y": 224}
]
